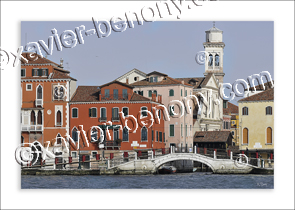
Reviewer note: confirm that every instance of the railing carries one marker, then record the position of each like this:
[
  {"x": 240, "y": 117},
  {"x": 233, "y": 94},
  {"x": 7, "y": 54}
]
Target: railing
[
  {"x": 115, "y": 118},
  {"x": 111, "y": 97},
  {"x": 39, "y": 102},
  {"x": 32, "y": 127},
  {"x": 112, "y": 143},
  {"x": 102, "y": 119}
]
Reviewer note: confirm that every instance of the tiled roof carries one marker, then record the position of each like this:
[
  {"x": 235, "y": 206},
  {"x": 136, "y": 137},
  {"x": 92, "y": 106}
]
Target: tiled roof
[
  {"x": 231, "y": 109},
  {"x": 212, "y": 136},
  {"x": 267, "y": 95},
  {"x": 267, "y": 86},
  {"x": 91, "y": 94},
  {"x": 86, "y": 94},
  {"x": 214, "y": 29},
  {"x": 166, "y": 81},
  {"x": 197, "y": 82},
  {"x": 61, "y": 75},
  {"x": 129, "y": 72},
  {"x": 115, "y": 81},
  {"x": 37, "y": 61}
]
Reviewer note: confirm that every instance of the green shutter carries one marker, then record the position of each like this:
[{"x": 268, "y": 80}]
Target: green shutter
[
  {"x": 33, "y": 73},
  {"x": 171, "y": 130},
  {"x": 89, "y": 112},
  {"x": 46, "y": 72},
  {"x": 94, "y": 112},
  {"x": 40, "y": 72}
]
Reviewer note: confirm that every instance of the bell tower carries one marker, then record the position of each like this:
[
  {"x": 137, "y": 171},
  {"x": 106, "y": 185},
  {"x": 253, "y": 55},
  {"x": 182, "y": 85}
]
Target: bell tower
[{"x": 214, "y": 48}]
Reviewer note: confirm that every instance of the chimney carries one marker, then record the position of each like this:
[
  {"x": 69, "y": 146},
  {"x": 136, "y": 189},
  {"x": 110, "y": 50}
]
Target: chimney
[
  {"x": 127, "y": 81},
  {"x": 61, "y": 63},
  {"x": 182, "y": 82},
  {"x": 160, "y": 99},
  {"x": 154, "y": 98}
]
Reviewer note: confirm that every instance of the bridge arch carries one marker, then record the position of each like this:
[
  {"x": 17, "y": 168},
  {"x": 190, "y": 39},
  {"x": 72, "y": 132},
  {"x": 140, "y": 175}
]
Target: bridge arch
[{"x": 162, "y": 160}]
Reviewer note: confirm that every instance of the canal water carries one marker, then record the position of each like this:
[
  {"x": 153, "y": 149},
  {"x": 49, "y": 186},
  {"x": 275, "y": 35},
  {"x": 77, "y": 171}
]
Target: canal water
[{"x": 197, "y": 180}]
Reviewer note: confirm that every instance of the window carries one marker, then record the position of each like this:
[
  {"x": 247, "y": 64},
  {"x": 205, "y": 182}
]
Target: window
[
  {"x": 39, "y": 118},
  {"x": 103, "y": 114},
  {"x": 75, "y": 134},
  {"x": 34, "y": 72},
  {"x": 160, "y": 137},
  {"x": 245, "y": 111},
  {"x": 171, "y": 92},
  {"x": 116, "y": 94},
  {"x": 107, "y": 93},
  {"x": 170, "y": 110},
  {"x": 155, "y": 92},
  {"x": 185, "y": 130},
  {"x": 125, "y": 94},
  {"x": 44, "y": 72},
  {"x": 143, "y": 111},
  {"x": 125, "y": 111},
  {"x": 33, "y": 118},
  {"x": 23, "y": 72},
  {"x": 181, "y": 130},
  {"x": 245, "y": 135},
  {"x": 150, "y": 93},
  {"x": 181, "y": 92},
  {"x": 185, "y": 93},
  {"x": 157, "y": 136},
  {"x": 140, "y": 93},
  {"x": 74, "y": 112},
  {"x": 125, "y": 134},
  {"x": 74, "y": 154},
  {"x": 233, "y": 122},
  {"x": 153, "y": 79},
  {"x": 269, "y": 135},
  {"x": 115, "y": 114},
  {"x": 144, "y": 134},
  {"x": 135, "y": 79},
  {"x": 268, "y": 110},
  {"x": 224, "y": 104},
  {"x": 92, "y": 112},
  {"x": 28, "y": 87},
  {"x": 39, "y": 92},
  {"x": 159, "y": 113},
  {"x": 58, "y": 92},
  {"x": 58, "y": 139},
  {"x": 164, "y": 136},
  {"x": 58, "y": 118},
  {"x": 152, "y": 135},
  {"x": 190, "y": 130},
  {"x": 233, "y": 133},
  {"x": 116, "y": 134},
  {"x": 171, "y": 130},
  {"x": 93, "y": 134},
  {"x": 94, "y": 154}
]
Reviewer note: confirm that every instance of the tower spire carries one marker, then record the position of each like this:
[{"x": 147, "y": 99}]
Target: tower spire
[{"x": 213, "y": 23}]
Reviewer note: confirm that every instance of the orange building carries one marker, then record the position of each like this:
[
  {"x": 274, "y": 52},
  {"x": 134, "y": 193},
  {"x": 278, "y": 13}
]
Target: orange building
[
  {"x": 46, "y": 88},
  {"x": 101, "y": 106}
]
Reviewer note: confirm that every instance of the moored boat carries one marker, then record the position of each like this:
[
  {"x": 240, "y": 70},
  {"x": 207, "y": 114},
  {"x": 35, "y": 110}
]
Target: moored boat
[{"x": 167, "y": 170}]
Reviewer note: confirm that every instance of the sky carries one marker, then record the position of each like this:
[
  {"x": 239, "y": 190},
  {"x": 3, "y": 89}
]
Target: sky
[{"x": 169, "y": 47}]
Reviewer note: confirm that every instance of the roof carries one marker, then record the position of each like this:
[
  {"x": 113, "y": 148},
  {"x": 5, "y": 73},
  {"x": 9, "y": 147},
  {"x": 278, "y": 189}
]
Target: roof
[
  {"x": 40, "y": 60},
  {"x": 231, "y": 109},
  {"x": 129, "y": 72},
  {"x": 197, "y": 82},
  {"x": 212, "y": 136},
  {"x": 267, "y": 85},
  {"x": 156, "y": 72},
  {"x": 91, "y": 94},
  {"x": 267, "y": 95},
  {"x": 61, "y": 75},
  {"x": 166, "y": 81},
  {"x": 115, "y": 81},
  {"x": 214, "y": 29}
]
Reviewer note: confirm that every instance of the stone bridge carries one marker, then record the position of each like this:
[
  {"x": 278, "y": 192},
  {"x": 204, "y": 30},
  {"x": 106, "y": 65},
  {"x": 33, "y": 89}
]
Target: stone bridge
[{"x": 219, "y": 166}]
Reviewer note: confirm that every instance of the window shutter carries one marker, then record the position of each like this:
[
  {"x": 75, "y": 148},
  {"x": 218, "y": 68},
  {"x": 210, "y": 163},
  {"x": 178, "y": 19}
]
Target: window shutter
[
  {"x": 46, "y": 72},
  {"x": 39, "y": 72},
  {"x": 33, "y": 72},
  {"x": 89, "y": 112},
  {"x": 94, "y": 112}
]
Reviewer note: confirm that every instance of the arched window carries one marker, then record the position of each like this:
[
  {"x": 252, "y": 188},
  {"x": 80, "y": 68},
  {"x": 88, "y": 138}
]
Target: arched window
[
  {"x": 33, "y": 118},
  {"x": 210, "y": 60},
  {"x": 269, "y": 135},
  {"x": 245, "y": 111},
  {"x": 58, "y": 118},
  {"x": 94, "y": 134},
  {"x": 125, "y": 134},
  {"x": 144, "y": 134},
  {"x": 216, "y": 60},
  {"x": 75, "y": 134},
  {"x": 39, "y": 92},
  {"x": 171, "y": 92},
  {"x": 245, "y": 136},
  {"x": 22, "y": 139},
  {"x": 39, "y": 118},
  {"x": 268, "y": 110},
  {"x": 58, "y": 139},
  {"x": 155, "y": 92},
  {"x": 150, "y": 93},
  {"x": 143, "y": 111}
]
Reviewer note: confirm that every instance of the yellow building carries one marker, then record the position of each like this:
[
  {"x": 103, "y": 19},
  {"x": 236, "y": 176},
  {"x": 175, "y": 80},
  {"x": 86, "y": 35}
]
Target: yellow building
[{"x": 256, "y": 116}]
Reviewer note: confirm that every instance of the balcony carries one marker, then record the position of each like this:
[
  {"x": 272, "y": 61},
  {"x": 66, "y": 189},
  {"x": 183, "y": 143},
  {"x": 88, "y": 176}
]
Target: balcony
[
  {"x": 102, "y": 119},
  {"x": 39, "y": 102},
  {"x": 31, "y": 128},
  {"x": 115, "y": 118},
  {"x": 114, "y": 97},
  {"x": 115, "y": 143}
]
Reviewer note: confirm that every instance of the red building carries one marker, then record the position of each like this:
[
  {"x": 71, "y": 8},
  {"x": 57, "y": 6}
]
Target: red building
[
  {"x": 101, "y": 106},
  {"x": 46, "y": 88}
]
